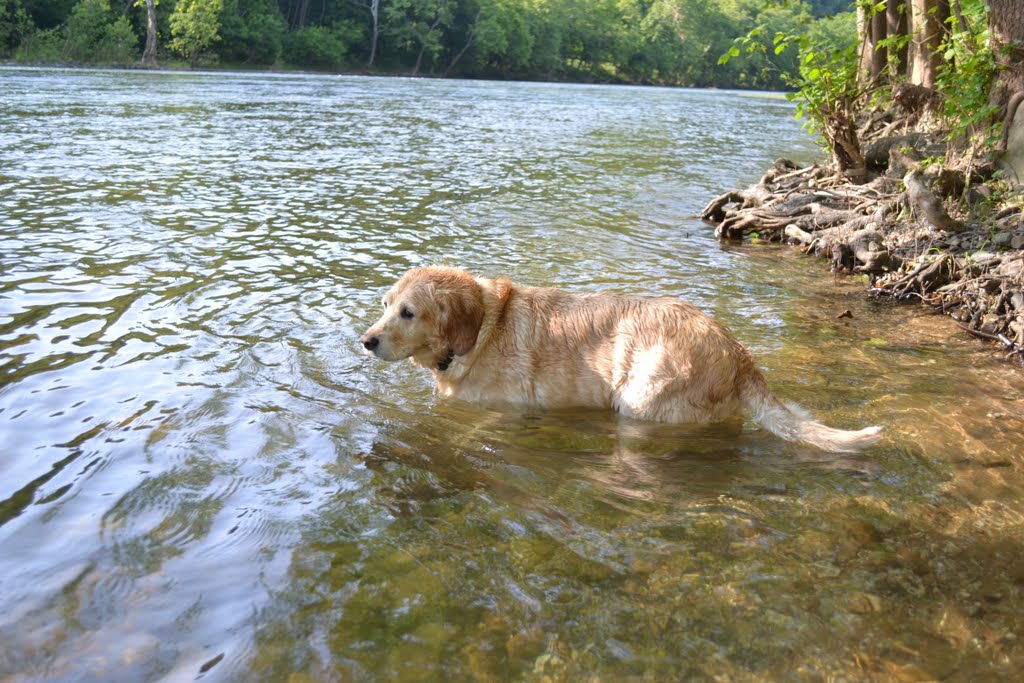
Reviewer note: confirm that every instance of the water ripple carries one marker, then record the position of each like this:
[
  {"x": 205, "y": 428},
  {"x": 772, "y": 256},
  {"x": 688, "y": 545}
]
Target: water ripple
[{"x": 201, "y": 475}]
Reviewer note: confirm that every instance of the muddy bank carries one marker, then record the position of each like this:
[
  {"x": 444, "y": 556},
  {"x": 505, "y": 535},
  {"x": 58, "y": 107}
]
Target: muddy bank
[{"x": 949, "y": 238}]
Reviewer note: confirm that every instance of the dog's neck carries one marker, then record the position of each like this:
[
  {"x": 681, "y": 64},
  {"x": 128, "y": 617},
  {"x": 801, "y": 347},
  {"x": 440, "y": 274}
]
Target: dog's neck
[{"x": 499, "y": 292}]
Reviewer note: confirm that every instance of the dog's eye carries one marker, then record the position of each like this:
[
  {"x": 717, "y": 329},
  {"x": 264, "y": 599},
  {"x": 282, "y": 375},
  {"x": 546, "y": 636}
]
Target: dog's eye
[{"x": 406, "y": 313}]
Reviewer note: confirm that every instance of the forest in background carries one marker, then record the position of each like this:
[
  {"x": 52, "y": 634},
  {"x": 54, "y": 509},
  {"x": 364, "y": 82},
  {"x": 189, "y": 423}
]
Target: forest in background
[{"x": 666, "y": 42}]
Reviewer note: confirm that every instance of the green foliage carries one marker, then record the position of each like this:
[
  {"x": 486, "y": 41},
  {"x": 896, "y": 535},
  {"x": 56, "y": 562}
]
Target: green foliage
[
  {"x": 765, "y": 66},
  {"x": 319, "y": 47},
  {"x": 251, "y": 32},
  {"x": 416, "y": 27},
  {"x": 965, "y": 77},
  {"x": 93, "y": 34},
  {"x": 676, "y": 36},
  {"x": 48, "y": 14},
  {"x": 825, "y": 78},
  {"x": 195, "y": 26},
  {"x": 673, "y": 42},
  {"x": 14, "y": 23},
  {"x": 829, "y": 90},
  {"x": 502, "y": 39},
  {"x": 41, "y": 46}
]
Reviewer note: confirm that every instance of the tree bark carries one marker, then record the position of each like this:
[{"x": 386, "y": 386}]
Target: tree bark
[
  {"x": 375, "y": 30},
  {"x": 840, "y": 131},
  {"x": 1006, "y": 24},
  {"x": 873, "y": 56},
  {"x": 469, "y": 43},
  {"x": 300, "y": 13},
  {"x": 927, "y": 17},
  {"x": 149, "y": 53},
  {"x": 896, "y": 25}
]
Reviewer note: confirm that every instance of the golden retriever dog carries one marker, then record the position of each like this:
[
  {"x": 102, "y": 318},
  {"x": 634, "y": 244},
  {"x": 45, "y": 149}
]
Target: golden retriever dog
[{"x": 649, "y": 358}]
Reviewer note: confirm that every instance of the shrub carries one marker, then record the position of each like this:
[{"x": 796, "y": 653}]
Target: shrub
[
  {"x": 15, "y": 24},
  {"x": 43, "y": 45},
  {"x": 254, "y": 36},
  {"x": 316, "y": 46}
]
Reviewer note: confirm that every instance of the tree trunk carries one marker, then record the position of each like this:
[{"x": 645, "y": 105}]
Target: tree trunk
[
  {"x": 927, "y": 17},
  {"x": 896, "y": 25},
  {"x": 873, "y": 57},
  {"x": 840, "y": 131},
  {"x": 469, "y": 42},
  {"x": 423, "y": 45},
  {"x": 149, "y": 53},
  {"x": 1006, "y": 23},
  {"x": 375, "y": 34}
]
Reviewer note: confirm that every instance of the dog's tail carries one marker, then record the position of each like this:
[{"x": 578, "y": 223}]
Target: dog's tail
[{"x": 793, "y": 424}]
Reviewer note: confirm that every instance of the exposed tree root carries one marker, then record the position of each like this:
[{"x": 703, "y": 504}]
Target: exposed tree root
[{"x": 898, "y": 228}]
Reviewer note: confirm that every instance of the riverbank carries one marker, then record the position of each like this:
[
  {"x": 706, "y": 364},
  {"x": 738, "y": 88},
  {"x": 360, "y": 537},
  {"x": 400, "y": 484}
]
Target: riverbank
[{"x": 950, "y": 237}]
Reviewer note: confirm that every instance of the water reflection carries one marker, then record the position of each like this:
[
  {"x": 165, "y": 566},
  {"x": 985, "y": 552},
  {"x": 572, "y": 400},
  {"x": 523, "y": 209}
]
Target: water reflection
[{"x": 201, "y": 478}]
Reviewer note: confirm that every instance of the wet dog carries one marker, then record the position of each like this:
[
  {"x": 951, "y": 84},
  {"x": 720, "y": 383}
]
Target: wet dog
[{"x": 487, "y": 340}]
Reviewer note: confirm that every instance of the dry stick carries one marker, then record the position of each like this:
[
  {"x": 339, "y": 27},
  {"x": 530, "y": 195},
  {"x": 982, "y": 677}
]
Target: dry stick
[{"x": 985, "y": 335}]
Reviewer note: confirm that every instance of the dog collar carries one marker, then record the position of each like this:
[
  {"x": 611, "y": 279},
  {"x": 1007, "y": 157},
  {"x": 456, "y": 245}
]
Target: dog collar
[{"x": 443, "y": 365}]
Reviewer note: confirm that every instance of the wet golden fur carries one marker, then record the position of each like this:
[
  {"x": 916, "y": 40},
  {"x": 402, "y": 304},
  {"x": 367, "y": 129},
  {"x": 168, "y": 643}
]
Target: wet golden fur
[{"x": 660, "y": 359}]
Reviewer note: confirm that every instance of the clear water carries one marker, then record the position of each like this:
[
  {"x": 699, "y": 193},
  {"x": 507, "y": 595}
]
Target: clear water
[{"x": 200, "y": 477}]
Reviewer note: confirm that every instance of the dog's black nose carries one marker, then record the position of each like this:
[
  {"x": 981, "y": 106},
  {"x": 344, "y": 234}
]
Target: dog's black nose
[{"x": 370, "y": 343}]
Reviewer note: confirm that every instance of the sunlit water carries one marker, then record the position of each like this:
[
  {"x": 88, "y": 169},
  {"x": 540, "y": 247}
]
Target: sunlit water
[{"x": 201, "y": 477}]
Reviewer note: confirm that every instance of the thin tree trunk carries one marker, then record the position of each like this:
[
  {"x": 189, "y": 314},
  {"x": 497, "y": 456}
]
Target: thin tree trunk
[
  {"x": 375, "y": 36},
  {"x": 149, "y": 53},
  {"x": 423, "y": 46},
  {"x": 927, "y": 18},
  {"x": 896, "y": 25},
  {"x": 469, "y": 42},
  {"x": 873, "y": 56}
]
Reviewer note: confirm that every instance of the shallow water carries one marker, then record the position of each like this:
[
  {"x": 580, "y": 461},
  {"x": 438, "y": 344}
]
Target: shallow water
[{"x": 202, "y": 478}]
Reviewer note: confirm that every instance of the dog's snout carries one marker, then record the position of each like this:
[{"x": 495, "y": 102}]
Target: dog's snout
[{"x": 370, "y": 343}]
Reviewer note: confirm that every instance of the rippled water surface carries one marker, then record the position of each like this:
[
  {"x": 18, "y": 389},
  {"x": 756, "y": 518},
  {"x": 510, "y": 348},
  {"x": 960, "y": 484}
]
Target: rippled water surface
[{"x": 200, "y": 477}]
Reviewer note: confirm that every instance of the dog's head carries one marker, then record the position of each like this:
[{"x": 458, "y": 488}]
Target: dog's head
[{"x": 430, "y": 315}]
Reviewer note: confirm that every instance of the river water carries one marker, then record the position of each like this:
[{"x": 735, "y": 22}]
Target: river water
[{"x": 202, "y": 478}]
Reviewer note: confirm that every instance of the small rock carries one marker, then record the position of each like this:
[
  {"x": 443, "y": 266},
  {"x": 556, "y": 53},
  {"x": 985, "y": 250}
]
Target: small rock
[
  {"x": 1011, "y": 268},
  {"x": 983, "y": 258},
  {"x": 865, "y": 603},
  {"x": 1017, "y": 242},
  {"x": 1002, "y": 239}
]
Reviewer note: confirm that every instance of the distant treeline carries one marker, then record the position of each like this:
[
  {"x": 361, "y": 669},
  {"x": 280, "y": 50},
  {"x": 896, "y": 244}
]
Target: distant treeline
[{"x": 676, "y": 42}]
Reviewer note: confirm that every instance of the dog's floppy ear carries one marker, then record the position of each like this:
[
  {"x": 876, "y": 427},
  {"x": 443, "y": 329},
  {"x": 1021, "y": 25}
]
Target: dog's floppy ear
[{"x": 462, "y": 314}]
